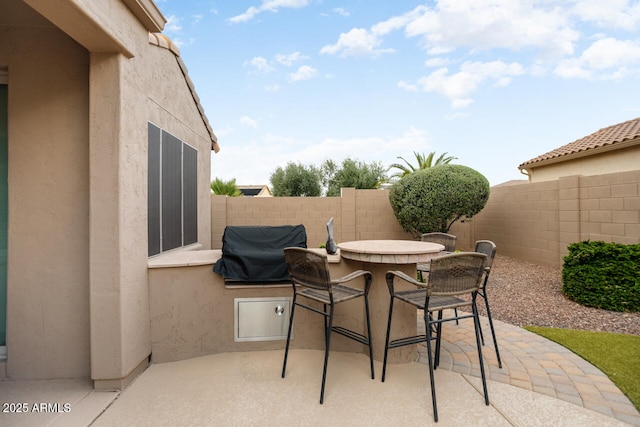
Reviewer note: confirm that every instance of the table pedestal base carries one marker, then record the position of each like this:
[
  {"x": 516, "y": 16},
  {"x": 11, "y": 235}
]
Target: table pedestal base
[{"x": 352, "y": 315}]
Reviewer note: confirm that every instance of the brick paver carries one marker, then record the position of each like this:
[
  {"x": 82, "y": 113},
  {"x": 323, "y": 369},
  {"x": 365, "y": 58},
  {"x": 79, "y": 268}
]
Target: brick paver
[{"x": 533, "y": 363}]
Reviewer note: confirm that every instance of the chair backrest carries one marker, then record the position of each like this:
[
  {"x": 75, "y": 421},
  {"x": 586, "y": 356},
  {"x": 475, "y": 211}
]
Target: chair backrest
[
  {"x": 456, "y": 274},
  {"x": 488, "y": 248},
  {"x": 308, "y": 268},
  {"x": 447, "y": 240}
]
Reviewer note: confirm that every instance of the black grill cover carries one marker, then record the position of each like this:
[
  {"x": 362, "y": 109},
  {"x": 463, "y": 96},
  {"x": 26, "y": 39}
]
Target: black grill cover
[{"x": 255, "y": 253}]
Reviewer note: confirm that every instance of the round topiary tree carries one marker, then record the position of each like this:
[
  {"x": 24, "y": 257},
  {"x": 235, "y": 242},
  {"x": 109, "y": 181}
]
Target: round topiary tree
[{"x": 433, "y": 199}]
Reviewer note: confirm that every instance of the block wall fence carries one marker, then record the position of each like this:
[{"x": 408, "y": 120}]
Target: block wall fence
[{"x": 534, "y": 222}]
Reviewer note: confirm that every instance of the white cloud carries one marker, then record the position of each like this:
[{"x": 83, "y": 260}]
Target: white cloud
[
  {"x": 397, "y": 22},
  {"x": 305, "y": 72},
  {"x": 614, "y": 14},
  {"x": 272, "y": 88},
  {"x": 460, "y": 85},
  {"x": 611, "y": 53},
  {"x": 173, "y": 25},
  {"x": 247, "y": 121},
  {"x": 289, "y": 59},
  {"x": 173, "y": 29},
  {"x": 606, "y": 58},
  {"x": 247, "y": 16},
  {"x": 437, "y": 62},
  {"x": 471, "y": 24},
  {"x": 272, "y": 151},
  {"x": 261, "y": 64},
  {"x": 267, "y": 5},
  {"x": 222, "y": 132},
  {"x": 357, "y": 42},
  {"x": 488, "y": 24},
  {"x": 368, "y": 148},
  {"x": 363, "y": 42},
  {"x": 340, "y": 11}
]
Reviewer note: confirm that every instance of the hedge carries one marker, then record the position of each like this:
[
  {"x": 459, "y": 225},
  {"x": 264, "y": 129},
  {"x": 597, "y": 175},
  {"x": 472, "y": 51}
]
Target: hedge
[{"x": 603, "y": 275}]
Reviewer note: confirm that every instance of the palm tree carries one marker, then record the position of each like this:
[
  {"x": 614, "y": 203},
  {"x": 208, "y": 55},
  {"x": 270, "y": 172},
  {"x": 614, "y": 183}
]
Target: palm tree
[
  {"x": 423, "y": 162},
  {"x": 227, "y": 188}
]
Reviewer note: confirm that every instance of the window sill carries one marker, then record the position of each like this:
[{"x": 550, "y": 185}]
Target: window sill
[{"x": 185, "y": 258}]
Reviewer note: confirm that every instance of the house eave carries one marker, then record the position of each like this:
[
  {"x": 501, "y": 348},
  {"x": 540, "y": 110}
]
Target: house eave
[
  {"x": 580, "y": 154},
  {"x": 148, "y": 14}
]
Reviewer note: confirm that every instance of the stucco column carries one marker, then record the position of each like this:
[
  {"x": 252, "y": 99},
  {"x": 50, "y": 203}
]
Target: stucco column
[{"x": 120, "y": 341}]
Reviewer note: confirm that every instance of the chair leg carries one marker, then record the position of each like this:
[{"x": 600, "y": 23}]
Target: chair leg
[
  {"x": 369, "y": 338},
  {"x": 326, "y": 352},
  {"x": 386, "y": 344},
  {"x": 324, "y": 307},
  {"x": 482, "y": 335},
  {"x": 286, "y": 351},
  {"x": 476, "y": 324},
  {"x": 493, "y": 331},
  {"x": 438, "y": 339},
  {"x": 431, "y": 368}
]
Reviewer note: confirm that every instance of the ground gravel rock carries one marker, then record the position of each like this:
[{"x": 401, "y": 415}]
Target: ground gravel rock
[{"x": 525, "y": 294}]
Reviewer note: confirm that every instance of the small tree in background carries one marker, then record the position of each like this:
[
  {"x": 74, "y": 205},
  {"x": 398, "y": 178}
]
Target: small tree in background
[
  {"x": 296, "y": 180},
  {"x": 422, "y": 162},
  {"x": 351, "y": 174},
  {"x": 433, "y": 199},
  {"x": 225, "y": 188}
]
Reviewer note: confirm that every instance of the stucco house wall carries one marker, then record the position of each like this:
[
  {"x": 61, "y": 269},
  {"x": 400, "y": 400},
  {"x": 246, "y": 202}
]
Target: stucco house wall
[
  {"x": 48, "y": 235},
  {"x": 612, "y": 149},
  {"x": 85, "y": 78},
  {"x": 625, "y": 159}
]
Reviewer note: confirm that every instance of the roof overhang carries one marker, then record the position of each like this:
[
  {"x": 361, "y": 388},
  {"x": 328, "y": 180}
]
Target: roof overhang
[
  {"x": 84, "y": 22},
  {"x": 580, "y": 154},
  {"x": 148, "y": 14}
]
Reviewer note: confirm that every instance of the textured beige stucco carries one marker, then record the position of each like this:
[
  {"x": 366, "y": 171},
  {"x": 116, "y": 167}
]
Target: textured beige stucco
[
  {"x": 48, "y": 245},
  {"x": 192, "y": 313},
  {"x": 81, "y": 93},
  {"x": 622, "y": 160}
]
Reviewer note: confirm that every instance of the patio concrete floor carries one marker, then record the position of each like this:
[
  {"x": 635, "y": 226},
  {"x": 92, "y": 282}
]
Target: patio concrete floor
[{"x": 540, "y": 384}]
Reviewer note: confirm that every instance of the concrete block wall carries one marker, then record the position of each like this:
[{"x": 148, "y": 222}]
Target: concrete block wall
[
  {"x": 357, "y": 215},
  {"x": 521, "y": 219},
  {"x": 534, "y": 222},
  {"x": 375, "y": 218},
  {"x": 610, "y": 207}
]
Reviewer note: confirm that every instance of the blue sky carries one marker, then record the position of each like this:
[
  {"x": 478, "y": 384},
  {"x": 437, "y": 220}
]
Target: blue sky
[{"x": 491, "y": 82}]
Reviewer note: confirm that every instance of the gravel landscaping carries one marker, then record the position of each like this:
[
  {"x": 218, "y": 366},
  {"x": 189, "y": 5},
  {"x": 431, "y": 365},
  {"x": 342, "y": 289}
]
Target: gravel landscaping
[{"x": 525, "y": 294}]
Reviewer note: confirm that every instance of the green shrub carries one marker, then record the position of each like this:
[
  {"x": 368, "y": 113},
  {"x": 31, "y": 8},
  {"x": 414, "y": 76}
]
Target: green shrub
[
  {"x": 433, "y": 199},
  {"x": 603, "y": 275}
]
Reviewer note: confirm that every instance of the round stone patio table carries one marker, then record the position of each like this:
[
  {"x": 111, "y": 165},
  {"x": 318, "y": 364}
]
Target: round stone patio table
[{"x": 378, "y": 257}]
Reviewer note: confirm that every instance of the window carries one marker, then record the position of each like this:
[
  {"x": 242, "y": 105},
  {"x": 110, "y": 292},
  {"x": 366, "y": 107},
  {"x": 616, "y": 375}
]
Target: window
[{"x": 173, "y": 192}]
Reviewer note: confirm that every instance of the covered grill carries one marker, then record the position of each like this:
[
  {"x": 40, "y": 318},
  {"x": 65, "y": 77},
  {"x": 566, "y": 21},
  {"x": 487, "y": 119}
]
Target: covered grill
[{"x": 254, "y": 254}]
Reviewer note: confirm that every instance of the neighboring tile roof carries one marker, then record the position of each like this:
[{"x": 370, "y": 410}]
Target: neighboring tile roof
[
  {"x": 163, "y": 41},
  {"x": 609, "y": 136}
]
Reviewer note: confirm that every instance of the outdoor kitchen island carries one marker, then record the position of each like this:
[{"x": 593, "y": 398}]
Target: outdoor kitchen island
[{"x": 192, "y": 309}]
